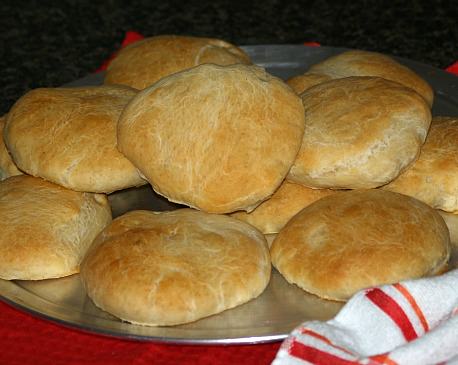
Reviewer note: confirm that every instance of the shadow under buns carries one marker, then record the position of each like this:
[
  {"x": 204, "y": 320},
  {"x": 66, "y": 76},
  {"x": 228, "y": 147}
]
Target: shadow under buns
[
  {"x": 7, "y": 166},
  {"x": 346, "y": 242},
  {"x": 300, "y": 83},
  {"x": 68, "y": 136},
  {"x": 433, "y": 178},
  {"x": 216, "y": 138},
  {"x": 361, "y": 132},
  {"x": 46, "y": 229},
  {"x": 271, "y": 215},
  {"x": 143, "y": 63},
  {"x": 364, "y": 63},
  {"x": 169, "y": 268}
]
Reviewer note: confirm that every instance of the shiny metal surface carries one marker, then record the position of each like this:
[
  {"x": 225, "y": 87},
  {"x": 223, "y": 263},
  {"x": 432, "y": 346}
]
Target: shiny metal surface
[{"x": 271, "y": 316}]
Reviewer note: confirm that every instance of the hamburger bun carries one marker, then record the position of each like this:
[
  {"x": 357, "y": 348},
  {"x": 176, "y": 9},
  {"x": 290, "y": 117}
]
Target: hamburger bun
[
  {"x": 68, "y": 136},
  {"x": 300, "y": 83},
  {"x": 142, "y": 63},
  {"x": 168, "y": 268},
  {"x": 215, "y": 138},
  {"x": 364, "y": 63},
  {"x": 343, "y": 243},
  {"x": 289, "y": 199},
  {"x": 361, "y": 132},
  {"x": 433, "y": 178},
  {"x": 46, "y": 229}
]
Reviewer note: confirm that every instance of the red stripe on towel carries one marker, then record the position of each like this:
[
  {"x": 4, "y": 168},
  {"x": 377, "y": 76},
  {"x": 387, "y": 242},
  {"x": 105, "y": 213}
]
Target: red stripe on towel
[
  {"x": 308, "y": 332},
  {"x": 406, "y": 294},
  {"x": 394, "y": 311},
  {"x": 315, "y": 356},
  {"x": 383, "y": 360}
]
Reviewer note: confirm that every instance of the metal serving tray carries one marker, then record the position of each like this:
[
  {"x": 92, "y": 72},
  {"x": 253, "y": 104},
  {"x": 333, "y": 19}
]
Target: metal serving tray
[{"x": 272, "y": 315}]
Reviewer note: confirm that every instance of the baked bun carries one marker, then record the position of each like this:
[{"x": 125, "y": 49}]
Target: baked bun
[
  {"x": 216, "y": 138},
  {"x": 143, "y": 63},
  {"x": 168, "y": 268},
  {"x": 433, "y": 178},
  {"x": 451, "y": 220},
  {"x": 361, "y": 132},
  {"x": 343, "y": 243},
  {"x": 68, "y": 136},
  {"x": 300, "y": 83},
  {"x": 271, "y": 215},
  {"x": 7, "y": 166},
  {"x": 364, "y": 63},
  {"x": 46, "y": 229}
]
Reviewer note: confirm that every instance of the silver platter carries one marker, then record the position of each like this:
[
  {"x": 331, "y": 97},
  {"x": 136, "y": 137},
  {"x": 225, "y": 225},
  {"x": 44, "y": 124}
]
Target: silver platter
[{"x": 271, "y": 316}]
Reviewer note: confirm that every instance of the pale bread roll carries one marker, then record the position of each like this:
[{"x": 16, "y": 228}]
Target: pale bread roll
[
  {"x": 68, "y": 136},
  {"x": 451, "y": 220},
  {"x": 46, "y": 229},
  {"x": 142, "y": 63},
  {"x": 361, "y": 132},
  {"x": 343, "y": 243},
  {"x": 215, "y": 138},
  {"x": 433, "y": 178},
  {"x": 300, "y": 83},
  {"x": 364, "y": 63},
  {"x": 271, "y": 215},
  {"x": 7, "y": 166},
  {"x": 168, "y": 268}
]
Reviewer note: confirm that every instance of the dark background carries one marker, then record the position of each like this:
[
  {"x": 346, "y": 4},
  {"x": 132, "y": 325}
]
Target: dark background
[{"x": 49, "y": 43}]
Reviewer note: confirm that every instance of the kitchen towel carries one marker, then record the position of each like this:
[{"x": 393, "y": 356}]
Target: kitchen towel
[{"x": 412, "y": 322}]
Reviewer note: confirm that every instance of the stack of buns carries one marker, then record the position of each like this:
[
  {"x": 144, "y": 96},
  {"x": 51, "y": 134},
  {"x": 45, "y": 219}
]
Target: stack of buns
[{"x": 337, "y": 178}]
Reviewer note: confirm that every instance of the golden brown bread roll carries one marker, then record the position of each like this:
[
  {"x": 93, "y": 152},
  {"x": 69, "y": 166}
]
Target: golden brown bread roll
[
  {"x": 271, "y": 215},
  {"x": 143, "y": 63},
  {"x": 68, "y": 136},
  {"x": 343, "y": 243},
  {"x": 7, "y": 166},
  {"x": 361, "y": 132},
  {"x": 364, "y": 63},
  {"x": 175, "y": 267},
  {"x": 216, "y": 138},
  {"x": 433, "y": 178},
  {"x": 300, "y": 83},
  {"x": 46, "y": 229}
]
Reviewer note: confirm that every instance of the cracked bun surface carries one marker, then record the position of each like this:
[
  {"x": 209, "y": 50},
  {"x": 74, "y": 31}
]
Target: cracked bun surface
[
  {"x": 364, "y": 63},
  {"x": 215, "y": 138},
  {"x": 433, "y": 177},
  {"x": 142, "y": 63},
  {"x": 168, "y": 268},
  {"x": 46, "y": 229},
  {"x": 360, "y": 132},
  {"x": 68, "y": 136},
  {"x": 347, "y": 242}
]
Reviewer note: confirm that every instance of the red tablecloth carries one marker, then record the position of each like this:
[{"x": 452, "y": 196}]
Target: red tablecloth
[{"x": 27, "y": 340}]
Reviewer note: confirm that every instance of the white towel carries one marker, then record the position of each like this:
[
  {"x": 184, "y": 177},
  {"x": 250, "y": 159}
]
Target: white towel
[{"x": 409, "y": 323}]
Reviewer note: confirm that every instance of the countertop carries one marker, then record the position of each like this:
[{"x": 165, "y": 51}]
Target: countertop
[{"x": 47, "y": 44}]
